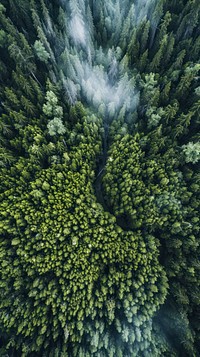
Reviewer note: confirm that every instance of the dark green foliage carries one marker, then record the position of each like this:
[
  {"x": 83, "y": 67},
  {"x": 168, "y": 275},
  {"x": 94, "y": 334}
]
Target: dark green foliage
[
  {"x": 145, "y": 191},
  {"x": 72, "y": 261},
  {"x": 99, "y": 228}
]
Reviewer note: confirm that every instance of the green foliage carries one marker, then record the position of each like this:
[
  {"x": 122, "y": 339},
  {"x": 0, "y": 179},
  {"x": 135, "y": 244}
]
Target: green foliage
[
  {"x": 99, "y": 229},
  {"x": 42, "y": 54},
  {"x": 192, "y": 152},
  {"x": 55, "y": 126},
  {"x": 2, "y": 38},
  {"x": 52, "y": 109},
  {"x": 71, "y": 258},
  {"x": 139, "y": 190}
]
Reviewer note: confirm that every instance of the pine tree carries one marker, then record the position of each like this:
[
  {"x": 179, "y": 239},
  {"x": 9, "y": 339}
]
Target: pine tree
[{"x": 42, "y": 54}]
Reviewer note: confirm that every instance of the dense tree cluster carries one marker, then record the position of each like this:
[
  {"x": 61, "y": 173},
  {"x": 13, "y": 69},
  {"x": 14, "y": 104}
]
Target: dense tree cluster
[
  {"x": 99, "y": 183},
  {"x": 145, "y": 190}
]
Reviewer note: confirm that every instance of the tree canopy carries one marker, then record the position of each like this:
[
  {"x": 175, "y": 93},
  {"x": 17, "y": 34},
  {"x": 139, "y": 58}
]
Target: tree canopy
[{"x": 99, "y": 178}]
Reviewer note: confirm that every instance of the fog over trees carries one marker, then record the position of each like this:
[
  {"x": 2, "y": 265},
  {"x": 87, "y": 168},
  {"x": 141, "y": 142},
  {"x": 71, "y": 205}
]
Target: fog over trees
[{"x": 99, "y": 178}]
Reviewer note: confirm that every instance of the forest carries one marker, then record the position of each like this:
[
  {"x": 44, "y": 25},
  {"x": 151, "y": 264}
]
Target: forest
[{"x": 99, "y": 178}]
